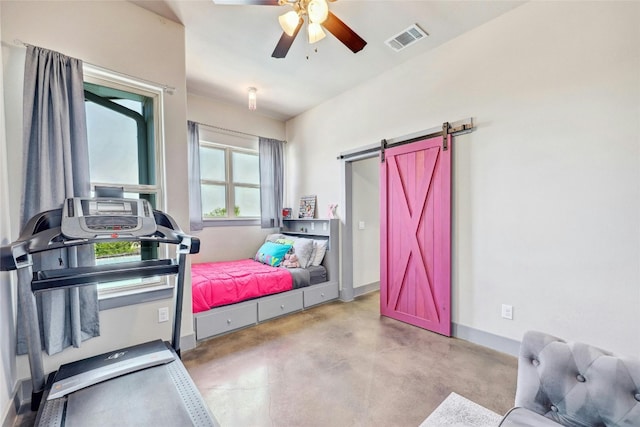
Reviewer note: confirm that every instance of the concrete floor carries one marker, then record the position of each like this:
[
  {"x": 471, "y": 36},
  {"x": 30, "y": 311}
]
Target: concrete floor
[{"x": 341, "y": 364}]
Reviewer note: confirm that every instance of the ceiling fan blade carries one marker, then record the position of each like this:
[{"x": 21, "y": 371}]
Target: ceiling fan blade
[
  {"x": 285, "y": 42},
  {"x": 343, "y": 33},
  {"x": 247, "y": 2}
]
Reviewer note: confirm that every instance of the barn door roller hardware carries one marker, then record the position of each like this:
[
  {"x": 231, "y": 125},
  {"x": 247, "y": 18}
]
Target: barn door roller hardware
[
  {"x": 445, "y": 136},
  {"x": 448, "y": 128},
  {"x": 383, "y": 146}
]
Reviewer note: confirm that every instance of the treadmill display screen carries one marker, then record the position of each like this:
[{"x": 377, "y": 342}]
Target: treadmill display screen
[
  {"x": 107, "y": 218},
  {"x": 109, "y": 207}
]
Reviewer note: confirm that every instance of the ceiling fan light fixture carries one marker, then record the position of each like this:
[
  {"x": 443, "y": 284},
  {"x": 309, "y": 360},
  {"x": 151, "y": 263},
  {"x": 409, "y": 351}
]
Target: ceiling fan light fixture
[
  {"x": 253, "y": 97},
  {"x": 318, "y": 18},
  {"x": 315, "y": 32},
  {"x": 318, "y": 11},
  {"x": 289, "y": 22}
]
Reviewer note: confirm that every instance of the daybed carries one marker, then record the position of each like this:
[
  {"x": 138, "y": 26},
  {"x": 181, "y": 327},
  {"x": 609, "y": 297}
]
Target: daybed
[{"x": 231, "y": 295}]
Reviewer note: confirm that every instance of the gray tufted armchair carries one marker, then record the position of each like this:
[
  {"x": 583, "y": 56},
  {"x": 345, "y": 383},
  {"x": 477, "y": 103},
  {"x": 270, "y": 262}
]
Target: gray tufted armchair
[{"x": 573, "y": 384}]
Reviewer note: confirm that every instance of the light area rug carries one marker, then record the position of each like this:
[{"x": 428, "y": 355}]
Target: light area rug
[{"x": 457, "y": 411}]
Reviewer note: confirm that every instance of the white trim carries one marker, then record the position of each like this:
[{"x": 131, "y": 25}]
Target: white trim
[
  {"x": 347, "y": 292},
  {"x": 134, "y": 82},
  {"x": 365, "y": 289},
  {"x": 188, "y": 342},
  {"x": 104, "y": 78},
  {"x": 11, "y": 414},
  {"x": 229, "y": 184},
  {"x": 134, "y": 297},
  {"x": 111, "y": 79}
]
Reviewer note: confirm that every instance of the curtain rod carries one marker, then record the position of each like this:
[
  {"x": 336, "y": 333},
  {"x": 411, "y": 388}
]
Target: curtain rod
[
  {"x": 231, "y": 130},
  {"x": 169, "y": 89}
]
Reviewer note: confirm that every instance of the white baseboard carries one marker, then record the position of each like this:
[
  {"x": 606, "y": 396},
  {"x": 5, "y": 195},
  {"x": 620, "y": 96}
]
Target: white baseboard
[
  {"x": 476, "y": 336},
  {"x": 21, "y": 401},
  {"x": 362, "y": 290},
  {"x": 188, "y": 342},
  {"x": 486, "y": 339},
  {"x": 10, "y": 416}
]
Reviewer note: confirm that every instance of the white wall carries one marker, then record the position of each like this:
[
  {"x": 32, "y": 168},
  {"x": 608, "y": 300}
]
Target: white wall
[
  {"x": 546, "y": 203},
  {"x": 7, "y": 306},
  {"x": 366, "y": 208},
  {"x": 229, "y": 243},
  {"x": 125, "y": 38}
]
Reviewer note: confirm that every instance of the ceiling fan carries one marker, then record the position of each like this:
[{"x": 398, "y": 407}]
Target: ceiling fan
[{"x": 318, "y": 16}]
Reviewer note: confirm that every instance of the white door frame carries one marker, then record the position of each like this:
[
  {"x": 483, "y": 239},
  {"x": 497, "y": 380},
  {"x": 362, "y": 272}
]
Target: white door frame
[{"x": 346, "y": 239}]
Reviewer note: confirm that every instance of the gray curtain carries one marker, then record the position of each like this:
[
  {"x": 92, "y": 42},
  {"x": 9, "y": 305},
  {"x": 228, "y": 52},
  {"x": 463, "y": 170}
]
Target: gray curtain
[
  {"x": 195, "y": 197},
  {"x": 271, "y": 154},
  {"x": 56, "y": 167}
]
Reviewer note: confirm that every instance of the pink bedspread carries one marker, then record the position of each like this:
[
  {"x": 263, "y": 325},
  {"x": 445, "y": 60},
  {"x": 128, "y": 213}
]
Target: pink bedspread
[{"x": 221, "y": 283}]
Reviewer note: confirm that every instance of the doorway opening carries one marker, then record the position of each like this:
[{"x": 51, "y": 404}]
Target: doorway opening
[{"x": 361, "y": 229}]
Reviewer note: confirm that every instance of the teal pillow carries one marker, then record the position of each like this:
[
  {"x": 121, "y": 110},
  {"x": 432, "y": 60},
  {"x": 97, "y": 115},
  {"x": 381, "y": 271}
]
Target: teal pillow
[{"x": 272, "y": 253}]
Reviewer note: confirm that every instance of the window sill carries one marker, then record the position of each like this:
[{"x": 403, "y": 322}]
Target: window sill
[
  {"x": 134, "y": 297},
  {"x": 230, "y": 222}
]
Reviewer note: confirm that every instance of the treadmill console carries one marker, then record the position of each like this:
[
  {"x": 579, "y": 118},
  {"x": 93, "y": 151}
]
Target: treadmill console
[{"x": 109, "y": 218}]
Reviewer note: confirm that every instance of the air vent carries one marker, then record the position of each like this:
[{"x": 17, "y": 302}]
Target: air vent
[{"x": 406, "y": 38}]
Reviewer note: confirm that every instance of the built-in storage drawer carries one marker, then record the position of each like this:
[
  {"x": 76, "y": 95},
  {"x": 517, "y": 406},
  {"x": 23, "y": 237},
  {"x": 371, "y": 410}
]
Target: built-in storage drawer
[
  {"x": 226, "y": 319},
  {"x": 317, "y": 294},
  {"x": 280, "y": 304}
]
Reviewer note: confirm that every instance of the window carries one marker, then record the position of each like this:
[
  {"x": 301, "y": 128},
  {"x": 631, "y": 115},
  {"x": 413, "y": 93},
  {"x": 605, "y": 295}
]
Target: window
[
  {"x": 123, "y": 129},
  {"x": 229, "y": 182}
]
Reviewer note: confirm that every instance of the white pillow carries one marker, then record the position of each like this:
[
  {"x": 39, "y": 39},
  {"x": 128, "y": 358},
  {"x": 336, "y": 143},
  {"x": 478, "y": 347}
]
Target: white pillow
[
  {"x": 313, "y": 254},
  {"x": 303, "y": 248},
  {"x": 320, "y": 249}
]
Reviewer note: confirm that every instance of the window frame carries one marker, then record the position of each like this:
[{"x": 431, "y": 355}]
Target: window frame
[
  {"x": 229, "y": 186},
  {"x": 163, "y": 287}
]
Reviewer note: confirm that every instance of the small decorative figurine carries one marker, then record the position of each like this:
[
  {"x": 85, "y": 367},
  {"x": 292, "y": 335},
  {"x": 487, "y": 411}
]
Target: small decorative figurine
[{"x": 333, "y": 207}]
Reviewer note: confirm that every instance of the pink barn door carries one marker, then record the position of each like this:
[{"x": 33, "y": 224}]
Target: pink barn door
[{"x": 415, "y": 241}]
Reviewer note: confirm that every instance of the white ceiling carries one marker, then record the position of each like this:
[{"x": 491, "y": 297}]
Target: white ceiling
[{"x": 228, "y": 48}]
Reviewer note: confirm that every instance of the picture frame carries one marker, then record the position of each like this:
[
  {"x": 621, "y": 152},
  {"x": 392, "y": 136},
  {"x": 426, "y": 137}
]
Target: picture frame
[{"x": 307, "y": 207}]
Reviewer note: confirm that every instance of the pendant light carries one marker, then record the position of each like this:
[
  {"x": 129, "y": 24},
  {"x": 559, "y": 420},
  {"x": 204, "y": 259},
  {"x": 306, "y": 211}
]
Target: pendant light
[{"x": 253, "y": 98}]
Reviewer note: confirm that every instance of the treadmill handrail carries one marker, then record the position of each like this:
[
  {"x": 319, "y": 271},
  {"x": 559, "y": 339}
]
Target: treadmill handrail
[{"x": 82, "y": 276}]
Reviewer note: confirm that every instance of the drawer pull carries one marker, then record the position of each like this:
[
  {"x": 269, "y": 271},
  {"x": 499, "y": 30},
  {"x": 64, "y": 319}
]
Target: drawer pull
[
  {"x": 322, "y": 295},
  {"x": 282, "y": 307},
  {"x": 228, "y": 321}
]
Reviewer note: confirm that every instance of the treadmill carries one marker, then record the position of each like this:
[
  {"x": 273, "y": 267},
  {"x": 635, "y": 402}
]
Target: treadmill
[{"x": 145, "y": 384}]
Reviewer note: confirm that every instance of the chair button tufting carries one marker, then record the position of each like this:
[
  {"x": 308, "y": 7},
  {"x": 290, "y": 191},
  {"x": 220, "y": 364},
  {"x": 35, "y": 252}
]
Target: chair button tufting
[
  {"x": 637, "y": 397},
  {"x": 580, "y": 378},
  {"x": 535, "y": 362},
  {"x": 554, "y": 408}
]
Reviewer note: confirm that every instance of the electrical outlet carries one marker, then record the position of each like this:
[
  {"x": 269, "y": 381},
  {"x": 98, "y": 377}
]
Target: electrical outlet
[
  {"x": 507, "y": 311},
  {"x": 313, "y": 226},
  {"x": 361, "y": 225},
  {"x": 163, "y": 314}
]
